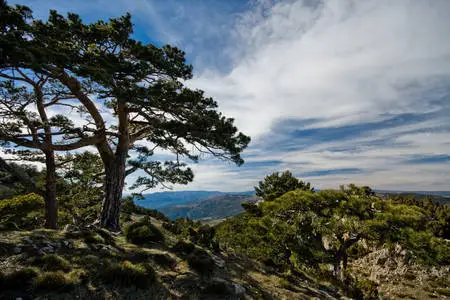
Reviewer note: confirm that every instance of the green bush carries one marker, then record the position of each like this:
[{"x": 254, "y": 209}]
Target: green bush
[
  {"x": 23, "y": 212},
  {"x": 201, "y": 261},
  {"x": 181, "y": 226},
  {"x": 51, "y": 281},
  {"x": 19, "y": 279},
  {"x": 276, "y": 185},
  {"x": 285, "y": 284},
  {"x": 128, "y": 274},
  {"x": 203, "y": 236},
  {"x": 360, "y": 288},
  {"x": 93, "y": 238},
  {"x": 164, "y": 260},
  {"x": 219, "y": 287},
  {"x": 143, "y": 232},
  {"x": 290, "y": 230},
  {"x": 51, "y": 262},
  {"x": 183, "y": 248},
  {"x": 252, "y": 209}
]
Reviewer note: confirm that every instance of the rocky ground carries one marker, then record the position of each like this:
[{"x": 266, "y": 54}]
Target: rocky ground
[
  {"x": 75, "y": 263},
  {"x": 91, "y": 263},
  {"x": 399, "y": 277}
]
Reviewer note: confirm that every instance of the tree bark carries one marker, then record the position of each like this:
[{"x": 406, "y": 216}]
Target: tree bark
[
  {"x": 338, "y": 272},
  {"x": 115, "y": 173},
  {"x": 114, "y": 183},
  {"x": 51, "y": 208}
]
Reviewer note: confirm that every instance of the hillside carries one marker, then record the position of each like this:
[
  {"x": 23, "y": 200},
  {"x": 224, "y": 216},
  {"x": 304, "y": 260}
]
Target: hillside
[
  {"x": 214, "y": 207},
  {"x": 302, "y": 245},
  {"x": 161, "y": 199},
  {"x": 93, "y": 264}
]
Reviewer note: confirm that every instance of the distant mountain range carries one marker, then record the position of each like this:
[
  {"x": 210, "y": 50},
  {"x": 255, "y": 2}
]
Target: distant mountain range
[
  {"x": 161, "y": 199},
  {"x": 425, "y": 193},
  {"x": 442, "y": 197},
  {"x": 197, "y": 204},
  {"x": 214, "y": 207},
  {"x": 218, "y": 205}
]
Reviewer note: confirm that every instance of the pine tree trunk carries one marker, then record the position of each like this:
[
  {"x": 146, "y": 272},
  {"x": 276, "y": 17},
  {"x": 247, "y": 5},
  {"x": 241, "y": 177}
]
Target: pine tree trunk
[
  {"x": 51, "y": 209},
  {"x": 339, "y": 266},
  {"x": 115, "y": 173},
  {"x": 114, "y": 183}
]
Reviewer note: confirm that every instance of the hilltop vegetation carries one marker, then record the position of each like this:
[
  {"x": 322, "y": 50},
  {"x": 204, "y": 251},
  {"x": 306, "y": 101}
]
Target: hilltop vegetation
[
  {"x": 299, "y": 245},
  {"x": 341, "y": 234}
]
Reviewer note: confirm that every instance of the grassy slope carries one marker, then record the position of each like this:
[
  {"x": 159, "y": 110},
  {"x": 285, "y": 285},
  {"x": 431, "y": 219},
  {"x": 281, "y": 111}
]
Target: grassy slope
[{"x": 89, "y": 257}]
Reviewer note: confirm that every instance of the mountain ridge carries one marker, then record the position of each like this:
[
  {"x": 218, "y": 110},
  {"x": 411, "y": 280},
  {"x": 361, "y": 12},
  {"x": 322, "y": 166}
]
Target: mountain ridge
[{"x": 158, "y": 200}]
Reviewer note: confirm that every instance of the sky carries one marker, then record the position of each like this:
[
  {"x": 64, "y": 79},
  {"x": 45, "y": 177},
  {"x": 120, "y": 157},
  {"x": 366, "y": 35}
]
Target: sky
[{"x": 336, "y": 91}]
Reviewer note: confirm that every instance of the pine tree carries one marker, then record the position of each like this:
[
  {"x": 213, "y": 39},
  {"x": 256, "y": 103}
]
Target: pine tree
[{"x": 141, "y": 84}]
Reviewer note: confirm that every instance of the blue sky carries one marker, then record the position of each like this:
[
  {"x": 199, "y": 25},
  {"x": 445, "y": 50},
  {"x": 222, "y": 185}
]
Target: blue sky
[{"x": 336, "y": 91}]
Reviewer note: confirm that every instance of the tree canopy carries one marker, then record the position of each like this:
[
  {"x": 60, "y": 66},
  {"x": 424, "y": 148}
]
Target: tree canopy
[
  {"x": 276, "y": 185},
  {"x": 140, "y": 88}
]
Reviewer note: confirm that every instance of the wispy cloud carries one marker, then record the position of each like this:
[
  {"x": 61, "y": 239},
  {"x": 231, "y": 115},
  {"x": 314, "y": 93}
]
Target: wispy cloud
[{"x": 337, "y": 91}]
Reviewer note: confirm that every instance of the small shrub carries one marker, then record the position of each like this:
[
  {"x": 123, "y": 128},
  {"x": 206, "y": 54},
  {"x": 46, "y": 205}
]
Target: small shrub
[
  {"x": 181, "y": 226},
  {"x": 368, "y": 287},
  {"x": 52, "y": 262},
  {"x": 23, "y": 212},
  {"x": 218, "y": 287},
  {"x": 201, "y": 261},
  {"x": 19, "y": 279},
  {"x": 93, "y": 238},
  {"x": 50, "y": 281},
  {"x": 106, "y": 235},
  {"x": 125, "y": 218},
  {"x": 128, "y": 274},
  {"x": 203, "y": 236},
  {"x": 143, "y": 232},
  {"x": 85, "y": 259},
  {"x": 64, "y": 218},
  {"x": 164, "y": 261},
  {"x": 138, "y": 255},
  {"x": 184, "y": 248},
  {"x": 252, "y": 209},
  {"x": 79, "y": 276},
  {"x": 285, "y": 284},
  {"x": 361, "y": 288}
]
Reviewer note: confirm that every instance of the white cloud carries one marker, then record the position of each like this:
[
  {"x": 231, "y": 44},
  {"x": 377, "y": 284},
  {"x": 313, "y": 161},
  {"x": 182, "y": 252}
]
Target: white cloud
[
  {"x": 343, "y": 60},
  {"x": 336, "y": 62},
  {"x": 342, "y": 63}
]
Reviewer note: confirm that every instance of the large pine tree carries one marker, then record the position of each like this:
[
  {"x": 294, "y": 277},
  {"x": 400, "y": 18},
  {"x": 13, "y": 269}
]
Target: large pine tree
[{"x": 101, "y": 65}]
